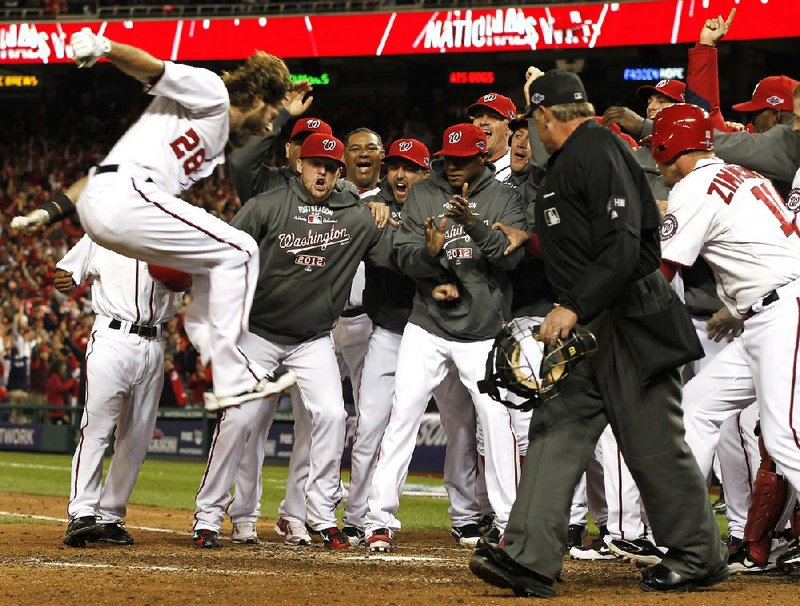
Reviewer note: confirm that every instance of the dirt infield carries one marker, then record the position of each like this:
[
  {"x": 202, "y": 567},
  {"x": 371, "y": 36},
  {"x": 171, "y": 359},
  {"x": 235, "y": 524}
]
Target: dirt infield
[{"x": 163, "y": 568}]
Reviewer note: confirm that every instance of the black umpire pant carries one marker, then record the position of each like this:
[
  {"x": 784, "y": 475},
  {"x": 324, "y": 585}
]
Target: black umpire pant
[{"x": 648, "y": 425}]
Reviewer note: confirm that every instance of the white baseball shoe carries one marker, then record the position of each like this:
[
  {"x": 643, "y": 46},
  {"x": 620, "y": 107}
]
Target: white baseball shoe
[
  {"x": 244, "y": 532},
  {"x": 264, "y": 388},
  {"x": 294, "y": 532}
]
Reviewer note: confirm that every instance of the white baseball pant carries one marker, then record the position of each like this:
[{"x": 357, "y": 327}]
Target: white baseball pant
[
  {"x": 351, "y": 337},
  {"x": 375, "y": 405},
  {"x": 421, "y": 366},
  {"x": 739, "y": 458},
  {"x": 319, "y": 383},
  {"x": 129, "y": 215},
  {"x": 763, "y": 363},
  {"x": 124, "y": 376}
]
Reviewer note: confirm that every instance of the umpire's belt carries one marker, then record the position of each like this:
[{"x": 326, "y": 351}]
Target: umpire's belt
[
  {"x": 354, "y": 311},
  {"x": 112, "y": 168},
  {"x": 146, "y": 332}
]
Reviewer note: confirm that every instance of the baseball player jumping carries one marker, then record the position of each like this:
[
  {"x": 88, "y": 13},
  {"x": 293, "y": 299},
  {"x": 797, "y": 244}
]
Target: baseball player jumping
[{"x": 129, "y": 202}]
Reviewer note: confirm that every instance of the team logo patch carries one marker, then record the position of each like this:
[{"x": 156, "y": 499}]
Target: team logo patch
[
  {"x": 312, "y": 123},
  {"x": 404, "y": 146},
  {"x": 793, "y": 201},
  {"x": 315, "y": 219},
  {"x": 669, "y": 227},
  {"x": 662, "y": 83},
  {"x": 511, "y": 114},
  {"x": 537, "y": 98},
  {"x": 774, "y": 100},
  {"x": 459, "y": 253},
  {"x": 489, "y": 97},
  {"x": 454, "y": 137},
  {"x": 551, "y": 216},
  {"x": 578, "y": 96},
  {"x": 328, "y": 144},
  {"x": 480, "y": 144},
  {"x": 426, "y": 161}
]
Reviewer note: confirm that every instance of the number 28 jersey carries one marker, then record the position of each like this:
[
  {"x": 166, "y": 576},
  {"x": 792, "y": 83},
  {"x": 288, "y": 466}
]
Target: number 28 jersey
[
  {"x": 182, "y": 134},
  {"x": 740, "y": 225}
]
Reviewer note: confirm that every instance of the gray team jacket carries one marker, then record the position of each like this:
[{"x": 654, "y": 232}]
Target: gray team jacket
[
  {"x": 473, "y": 259},
  {"x": 308, "y": 256}
]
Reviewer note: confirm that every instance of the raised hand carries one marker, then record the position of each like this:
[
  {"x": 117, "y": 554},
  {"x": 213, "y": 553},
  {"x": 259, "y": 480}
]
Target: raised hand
[
  {"x": 628, "y": 119},
  {"x": 459, "y": 209},
  {"x": 88, "y": 47},
  {"x": 516, "y": 237},
  {"x": 530, "y": 75},
  {"x": 293, "y": 101},
  {"x": 714, "y": 30}
]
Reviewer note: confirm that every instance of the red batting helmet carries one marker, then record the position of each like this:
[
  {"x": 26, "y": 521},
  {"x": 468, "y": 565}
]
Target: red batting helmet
[
  {"x": 680, "y": 128},
  {"x": 171, "y": 279}
]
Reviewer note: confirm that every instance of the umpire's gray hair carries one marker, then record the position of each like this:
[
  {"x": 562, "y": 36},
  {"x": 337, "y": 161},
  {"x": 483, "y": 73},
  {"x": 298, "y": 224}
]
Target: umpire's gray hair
[{"x": 571, "y": 111}]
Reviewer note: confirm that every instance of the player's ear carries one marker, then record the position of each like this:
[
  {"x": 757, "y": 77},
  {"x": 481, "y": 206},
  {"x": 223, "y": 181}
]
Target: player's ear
[{"x": 299, "y": 167}]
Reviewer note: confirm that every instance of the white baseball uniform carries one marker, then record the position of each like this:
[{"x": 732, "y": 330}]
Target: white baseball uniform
[
  {"x": 124, "y": 376},
  {"x": 736, "y": 220},
  {"x": 130, "y": 205}
]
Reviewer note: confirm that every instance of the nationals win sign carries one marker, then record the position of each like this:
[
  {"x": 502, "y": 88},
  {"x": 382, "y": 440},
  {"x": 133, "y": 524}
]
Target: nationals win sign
[{"x": 412, "y": 33}]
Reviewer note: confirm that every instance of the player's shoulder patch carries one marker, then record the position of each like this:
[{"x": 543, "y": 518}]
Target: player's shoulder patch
[
  {"x": 669, "y": 226},
  {"x": 793, "y": 201}
]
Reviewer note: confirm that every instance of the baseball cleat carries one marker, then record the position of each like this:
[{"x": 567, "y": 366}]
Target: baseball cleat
[
  {"x": 467, "y": 535},
  {"x": 739, "y": 562},
  {"x": 575, "y": 534},
  {"x": 381, "y": 541},
  {"x": 244, "y": 533},
  {"x": 638, "y": 551},
  {"x": 115, "y": 534},
  {"x": 294, "y": 533},
  {"x": 263, "y": 389},
  {"x": 790, "y": 561},
  {"x": 333, "y": 538},
  {"x": 81, "y": 531},
  {"x": 205, "y": 538},
  {"x": 355, "y": 535},
  {"x": 596, "y": 550}
]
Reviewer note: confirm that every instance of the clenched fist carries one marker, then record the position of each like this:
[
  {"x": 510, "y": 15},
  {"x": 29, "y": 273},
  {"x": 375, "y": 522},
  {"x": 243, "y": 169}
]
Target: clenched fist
[{"x": 88, "y": 47}]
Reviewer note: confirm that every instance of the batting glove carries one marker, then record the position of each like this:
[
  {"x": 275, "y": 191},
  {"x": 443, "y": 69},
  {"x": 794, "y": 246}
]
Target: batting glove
[
  {"x": 88, "y": 47},
  {"x": 31, "y": 222}
]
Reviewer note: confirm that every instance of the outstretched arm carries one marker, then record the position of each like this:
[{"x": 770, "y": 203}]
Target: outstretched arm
[
  {"x": 62, "y": 205},
  {"x": 88, "y": 47}
]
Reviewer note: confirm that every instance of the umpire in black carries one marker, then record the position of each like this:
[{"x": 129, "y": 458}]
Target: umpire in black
[{"x": 598, "y": 230}]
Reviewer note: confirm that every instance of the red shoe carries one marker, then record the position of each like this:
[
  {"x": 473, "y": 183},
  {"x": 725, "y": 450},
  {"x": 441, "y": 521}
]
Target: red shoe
[{"x": 333, "y": 538}]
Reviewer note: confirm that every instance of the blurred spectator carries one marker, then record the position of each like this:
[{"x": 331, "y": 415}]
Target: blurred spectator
[
  {"x": 173, "y": 393},
  {"x": 59, "y": 387}
]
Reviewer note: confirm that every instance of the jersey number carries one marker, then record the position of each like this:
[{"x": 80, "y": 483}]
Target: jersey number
[
  {"x": 185, "y": 144},
  {"x": 767, "y": 196}
]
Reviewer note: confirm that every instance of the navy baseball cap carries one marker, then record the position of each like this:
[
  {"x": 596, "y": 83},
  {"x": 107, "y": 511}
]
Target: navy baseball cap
[{"x": 556, "y": 87}]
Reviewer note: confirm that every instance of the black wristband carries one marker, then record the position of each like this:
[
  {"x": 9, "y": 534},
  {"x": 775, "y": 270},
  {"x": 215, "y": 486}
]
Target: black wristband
[{"x": 59, "y": 207}]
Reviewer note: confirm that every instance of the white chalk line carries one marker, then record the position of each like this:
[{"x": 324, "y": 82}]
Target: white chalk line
[{"x": 292, "y": 549}]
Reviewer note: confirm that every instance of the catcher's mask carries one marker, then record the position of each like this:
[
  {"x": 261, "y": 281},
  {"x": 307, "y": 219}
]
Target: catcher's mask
[{"x": 529, "y": 368}]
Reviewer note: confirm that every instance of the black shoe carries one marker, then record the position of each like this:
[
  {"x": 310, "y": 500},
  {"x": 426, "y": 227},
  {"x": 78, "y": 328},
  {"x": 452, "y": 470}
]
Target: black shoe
[
  {"x": 115, "y": 533},
  {"x": 639, "y": 551},
  {"x": 486, "y": 523},
  {"x": 467, "y": 535},
  {"x": 82, "y": 530},
  {"x": 790, "y": 560},
  {"x": 207, "y": 539},
  {"x": 719, "y": 506},
  {"x": 575, "y": 534},
  {"x": 740, "y": 562},
  {"x": 491, "y": 538},
  {"x": 661, "y": 579},
  {"x": 496, "y": 567},
  {"x": 355, "y": 535}
]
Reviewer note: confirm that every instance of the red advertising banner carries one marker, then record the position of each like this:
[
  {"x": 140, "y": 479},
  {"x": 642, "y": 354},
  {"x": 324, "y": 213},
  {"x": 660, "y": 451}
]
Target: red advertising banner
[{"x": 411, "y": 33}]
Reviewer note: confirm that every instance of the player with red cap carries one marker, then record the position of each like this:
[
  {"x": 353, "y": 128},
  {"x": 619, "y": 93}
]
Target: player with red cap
[
  {"x": 492, "y": 113},
  {"x": 770, "y": 104},
  {"x": 736, "y": 220},
  {"x": 311, "y": 235},
  {"x": 388, "y": 299},
  {"x": 446, "y": 239},
  {"x": 662, "y": 94}
]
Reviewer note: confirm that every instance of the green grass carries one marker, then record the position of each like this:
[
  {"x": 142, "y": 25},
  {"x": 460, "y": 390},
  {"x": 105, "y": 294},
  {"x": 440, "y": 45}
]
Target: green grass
[{"x": 173, "y": 484}]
